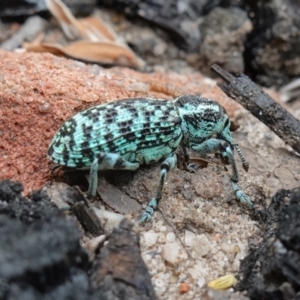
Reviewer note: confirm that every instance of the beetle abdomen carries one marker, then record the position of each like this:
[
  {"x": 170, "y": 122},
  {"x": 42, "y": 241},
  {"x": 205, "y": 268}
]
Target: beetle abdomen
[{"x": 142, "y": 128}]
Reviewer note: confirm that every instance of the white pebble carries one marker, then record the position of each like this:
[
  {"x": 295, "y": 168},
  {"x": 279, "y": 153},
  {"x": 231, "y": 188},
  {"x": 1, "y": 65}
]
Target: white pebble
[
  {"x": 170, "y": 237},
  {"x": 161, "y": 238},
  {"x": 173, "y": 253},
  {"x": 189, "y": 238},
  {"x": 159, "y": 49},
  {"x": 159, "y": 283},
  {"x": 227, "y": 248},
  {"x": 110, "y": 219},
  {"x": 150, "y": 238},
  {"x": 163, "y": 229},
  {"x": 202, "y": 245},
  {"x": 201, "y": 281}
]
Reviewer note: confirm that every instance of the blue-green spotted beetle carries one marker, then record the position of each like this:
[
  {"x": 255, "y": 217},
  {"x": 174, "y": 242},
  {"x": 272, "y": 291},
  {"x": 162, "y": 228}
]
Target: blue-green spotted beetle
[{"x": 124, "y": 134}]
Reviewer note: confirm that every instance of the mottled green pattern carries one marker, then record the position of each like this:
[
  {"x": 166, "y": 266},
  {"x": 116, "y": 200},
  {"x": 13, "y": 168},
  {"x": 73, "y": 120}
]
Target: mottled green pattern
[
  {"x": 141, "y": 129},
  {"x": 202, "y": 119}
]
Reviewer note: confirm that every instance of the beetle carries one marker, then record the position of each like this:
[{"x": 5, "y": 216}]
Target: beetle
[{"x": 124, "y": 134}]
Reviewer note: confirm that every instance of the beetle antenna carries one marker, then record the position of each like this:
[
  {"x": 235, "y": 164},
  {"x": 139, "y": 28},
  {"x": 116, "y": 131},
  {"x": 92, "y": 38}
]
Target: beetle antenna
[{"x": 241, "y": 155}]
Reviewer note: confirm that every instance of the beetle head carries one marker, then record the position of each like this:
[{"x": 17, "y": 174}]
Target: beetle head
[{"x": 203, "y": 119}]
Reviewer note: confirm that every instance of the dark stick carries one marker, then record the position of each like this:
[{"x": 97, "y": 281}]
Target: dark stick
[
  {"x": 88, "y": 219},
  {"x": 84, "y": 213},
  {"x": 243, "y": 90}
]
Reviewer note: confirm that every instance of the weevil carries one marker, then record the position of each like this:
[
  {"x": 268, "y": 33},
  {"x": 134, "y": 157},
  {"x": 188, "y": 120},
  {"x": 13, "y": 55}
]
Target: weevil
[{"x": 124, "y": 134}]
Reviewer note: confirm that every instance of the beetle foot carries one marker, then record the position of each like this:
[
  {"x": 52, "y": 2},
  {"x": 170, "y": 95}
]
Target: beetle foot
[
  {"x": 191, "y": 167},
  {"x": 149, "y": 211},
  {"x": 242, "y": 196}
]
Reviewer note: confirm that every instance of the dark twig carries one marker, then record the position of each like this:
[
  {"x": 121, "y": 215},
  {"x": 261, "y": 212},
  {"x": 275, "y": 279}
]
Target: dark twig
[
  {"x": 84, "y": 213},
  {"x": 243, "y": 90}
]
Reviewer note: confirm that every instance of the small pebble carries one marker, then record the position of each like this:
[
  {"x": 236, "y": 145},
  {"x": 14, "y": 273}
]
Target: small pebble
[
  {"x": 150, "y": 238},
  {"x": 201, "y": 282},
  {"x": 202, "y": 245},
  {"x": 184, "y": 288},
  {"x": 189, "y": 238},
  {"x": 170, "y": 237},
  {"x": 161, "y": 238},
  {"x": 227, "y": 248},
  {"x": 110, "y": 219},
  {"x": 159, "y": 283},
  {"x": 173, "y": 253},
  {"x": 163, "y": 229},
  {"x": 159, "y": 49},
  {"x": 138, "y": 87}
]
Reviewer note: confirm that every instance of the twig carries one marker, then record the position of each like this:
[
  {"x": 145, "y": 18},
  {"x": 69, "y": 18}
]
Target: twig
[
  {"x": 84, "y": 213},
  {"x": 243, "y": 90}
]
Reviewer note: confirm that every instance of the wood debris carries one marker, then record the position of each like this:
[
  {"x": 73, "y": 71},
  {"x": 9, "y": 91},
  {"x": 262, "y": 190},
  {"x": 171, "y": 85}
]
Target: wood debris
[{"x": 94, "y": 41}]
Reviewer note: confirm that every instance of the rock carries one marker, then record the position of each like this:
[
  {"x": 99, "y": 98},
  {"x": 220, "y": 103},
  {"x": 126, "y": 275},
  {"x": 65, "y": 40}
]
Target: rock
[
  {"x": 57, "y": 192},
  {"x": 35, "y": 103},
  {"x": 201, "y": 282},
  {"x": 110, "y": 220},
  {"x": 224, "y": 31},
  {"x": 173, "y": 253},
  {"x": 180, "y": 18},
  {"x": 150, "y": 238},
  {"x": 272, "y": 49},
  {"x": 161, "y": 237},
  {"x": 189, "y": 238},
  {"x": 230, "y": 248},
  {"x": 117, "y": 200},
  {"x": 202, "y": 245},
  {"x": 170, "y": 237}
]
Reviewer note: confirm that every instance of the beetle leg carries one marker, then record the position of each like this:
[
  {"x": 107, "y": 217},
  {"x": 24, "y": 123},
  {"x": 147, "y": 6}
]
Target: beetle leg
[
  {"x": 187, "y": 165},
  {"x": 107, "y": 161},
  {"x": 216, "y": 145},
  {"x": 167, "y": 165},
  {"x": 185, "y": 154}
]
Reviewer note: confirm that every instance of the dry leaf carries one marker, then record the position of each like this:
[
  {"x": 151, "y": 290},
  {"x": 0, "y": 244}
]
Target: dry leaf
[
  {"x": 96, "y": 27},
  {"x": 71, "y": 27},
  {"x": 97, "y": 52},
  {"x": 50, "y": 48},
  {"x": 100, "y": 43},
  {"x": 87, "y": 28},
  {"x": 222, "y": 283},
  {"x": 105, "y": 52}
]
